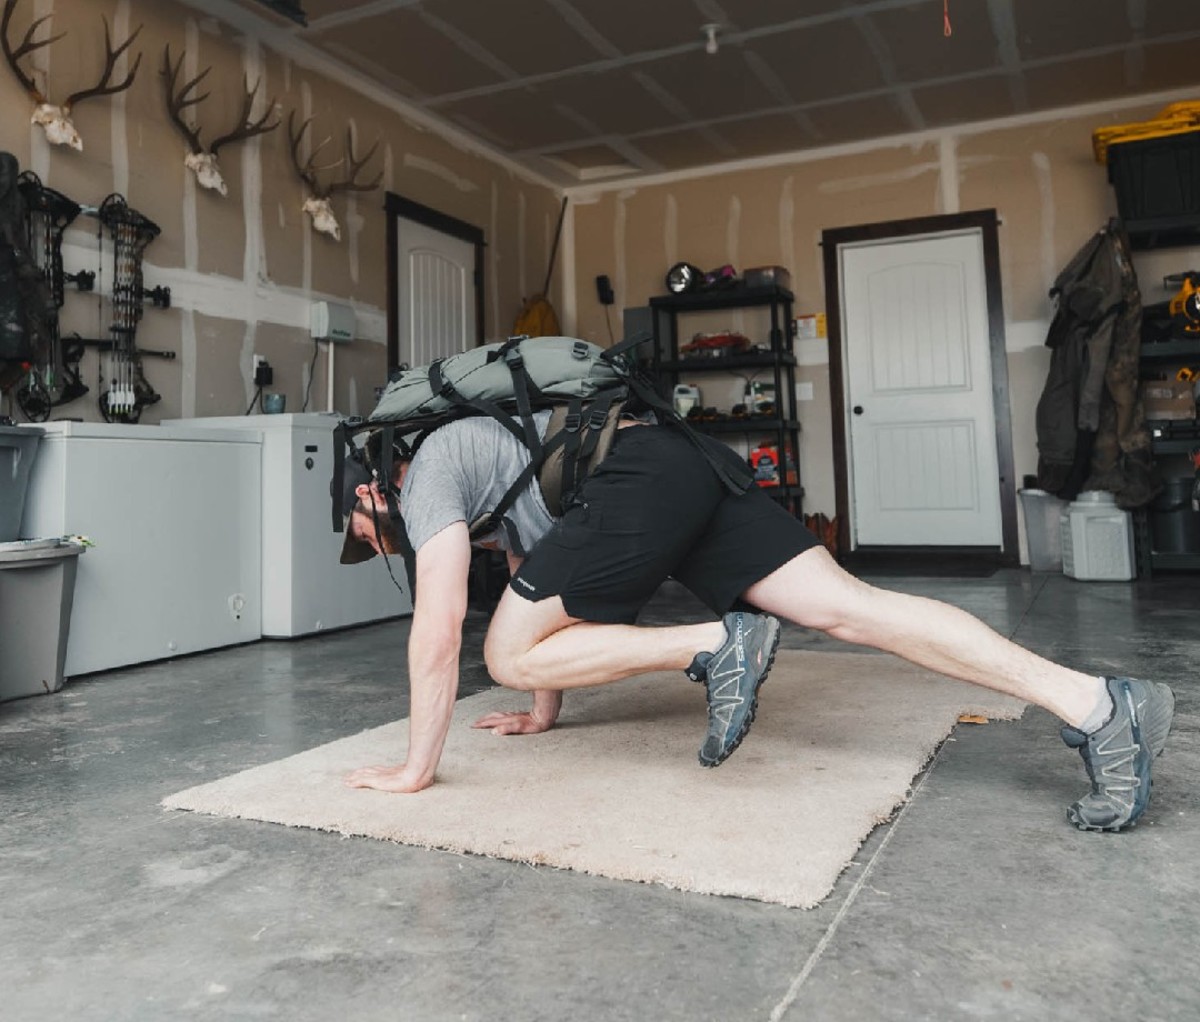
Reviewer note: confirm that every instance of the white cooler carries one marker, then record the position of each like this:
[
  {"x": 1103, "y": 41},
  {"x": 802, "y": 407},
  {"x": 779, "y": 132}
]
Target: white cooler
[{"x": 305, "y": 588}]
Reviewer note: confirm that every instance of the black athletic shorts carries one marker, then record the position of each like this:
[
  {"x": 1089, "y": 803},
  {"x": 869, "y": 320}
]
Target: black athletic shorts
[{"x": 655, "y": 509}]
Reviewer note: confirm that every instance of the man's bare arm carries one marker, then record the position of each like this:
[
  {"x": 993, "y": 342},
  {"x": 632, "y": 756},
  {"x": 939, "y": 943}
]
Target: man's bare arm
[{"x": 433, "y": 651}]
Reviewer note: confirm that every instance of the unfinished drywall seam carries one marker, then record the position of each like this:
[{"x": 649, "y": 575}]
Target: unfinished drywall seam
[
  {"x": 117, "y": 124},
  {"x": 254, "y": 254},
  {"x": 39, "y": 148},
  {"x": 787, "y": 224},
  {"x": 355, "y": 221},
  {"x": 1045, "y": 185},
  {"x": 733, "y": 237},
  {"x": 493, "y": 261},
  {"x": 441, "y": 172},
  {"x": 948, "y": 177},
  {"x": 620, "y": 222},
  {"x": 522, "y": 212},
  {"x": 671, "y": 231},
  {"x": 569, "y": 313},
  {"x": 188, "y": 354},
  {"x": 305, "y": 114}
]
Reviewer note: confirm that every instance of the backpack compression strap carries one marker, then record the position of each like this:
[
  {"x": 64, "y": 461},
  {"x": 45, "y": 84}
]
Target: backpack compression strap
[
  {"x": 736, "y": 480},
  {"x": 490, "y": 521},
  {"x": 588, "y": 439}
]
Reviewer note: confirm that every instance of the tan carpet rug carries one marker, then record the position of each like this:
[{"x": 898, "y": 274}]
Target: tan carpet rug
[{"x": 615, "y": 790}]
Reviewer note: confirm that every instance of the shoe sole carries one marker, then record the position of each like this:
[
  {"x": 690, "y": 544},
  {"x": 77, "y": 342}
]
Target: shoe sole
[
  {"x": 1157, "y": 730},
  {"x": 749, "y": 718}
]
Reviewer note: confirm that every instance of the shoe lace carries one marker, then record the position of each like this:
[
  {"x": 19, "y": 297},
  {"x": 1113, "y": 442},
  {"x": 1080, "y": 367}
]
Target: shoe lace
[{"x": 1115, "y": 773}]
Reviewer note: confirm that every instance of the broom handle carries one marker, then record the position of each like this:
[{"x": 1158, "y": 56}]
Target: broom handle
[{"x": 554, "y": 248}]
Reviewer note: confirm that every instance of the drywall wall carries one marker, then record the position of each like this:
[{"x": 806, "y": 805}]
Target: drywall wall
[
  {"x": 244, "y": 268},
  {"x": 1039, "y": 175}
]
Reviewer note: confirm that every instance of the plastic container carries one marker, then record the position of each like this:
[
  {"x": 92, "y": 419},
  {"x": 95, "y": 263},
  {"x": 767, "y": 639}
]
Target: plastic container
[
  {"x": 1174, "y": 526},
  {"x": 1042, "y": 532},
  {"x": 37, "y": 588},
  {"x": 1097, "y": 539},
  {"x": 1157, "y": 180},
  {"x": 18, "y": 445}
]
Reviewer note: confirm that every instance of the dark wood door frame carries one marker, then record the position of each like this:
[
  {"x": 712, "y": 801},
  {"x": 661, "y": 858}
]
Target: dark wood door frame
[
  {"x": 398, "y": 206},
  {"x": 831, "y": 240}
]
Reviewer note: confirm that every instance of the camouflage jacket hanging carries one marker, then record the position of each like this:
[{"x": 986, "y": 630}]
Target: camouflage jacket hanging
[{"x": 1091, "y": 432}]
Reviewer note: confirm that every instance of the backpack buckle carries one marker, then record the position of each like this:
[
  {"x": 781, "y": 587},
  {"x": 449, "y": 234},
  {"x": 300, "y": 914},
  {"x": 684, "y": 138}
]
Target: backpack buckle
[
  {"x": 579, "y": 350},
  {"x": 573, "y": 421},
  {"x": 598, "y": 418},
  {"x": 514, "y": 359}
]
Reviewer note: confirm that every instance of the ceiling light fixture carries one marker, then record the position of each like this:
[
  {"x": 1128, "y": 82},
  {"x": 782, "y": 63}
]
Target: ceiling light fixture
[{"x": 710, "y": 31}]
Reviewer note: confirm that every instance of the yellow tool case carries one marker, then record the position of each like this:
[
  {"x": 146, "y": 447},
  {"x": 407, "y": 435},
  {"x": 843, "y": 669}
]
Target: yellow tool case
[{"x": 1154, "y": 168}]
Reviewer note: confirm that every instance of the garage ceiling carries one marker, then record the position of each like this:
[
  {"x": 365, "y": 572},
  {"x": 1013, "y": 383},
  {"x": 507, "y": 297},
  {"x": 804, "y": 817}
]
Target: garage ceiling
[{"x": 596, "y": 90}]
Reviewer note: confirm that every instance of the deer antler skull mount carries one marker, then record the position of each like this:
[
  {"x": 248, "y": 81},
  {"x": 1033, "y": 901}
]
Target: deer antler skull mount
[
  {"x": 317, "y": 205},
  {"x": 202, "y": 160},
  {"x": 55, "y": 118}
]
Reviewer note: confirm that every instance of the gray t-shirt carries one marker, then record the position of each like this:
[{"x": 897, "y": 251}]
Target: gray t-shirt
[{"x": 460, "y": 472}]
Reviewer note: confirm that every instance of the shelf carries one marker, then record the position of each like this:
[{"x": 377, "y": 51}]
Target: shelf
[
  {"x": 1160, "y": 350},
  {"x": 755, "y": 360},
  {"x": 732, "y": 298},
  {"x": 1185, "y": 562},
  {"x": 744, "y": 426}
]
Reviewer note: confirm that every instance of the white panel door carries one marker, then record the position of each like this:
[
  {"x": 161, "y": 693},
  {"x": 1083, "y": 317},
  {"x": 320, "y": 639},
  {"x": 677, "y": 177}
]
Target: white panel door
[
  {"x": 436, "y": 293},
  {"x": 920, "y": 418}
]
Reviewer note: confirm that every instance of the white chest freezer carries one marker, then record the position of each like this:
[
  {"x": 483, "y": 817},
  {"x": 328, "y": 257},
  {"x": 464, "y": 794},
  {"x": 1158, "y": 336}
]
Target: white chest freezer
[
  {"x": 305, "y": 588},
  {"x": 174, "y": 515}
]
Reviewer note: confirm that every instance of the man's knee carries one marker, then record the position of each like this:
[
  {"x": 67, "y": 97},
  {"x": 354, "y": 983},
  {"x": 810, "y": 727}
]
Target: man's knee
[{"x": 503, "y": 660}]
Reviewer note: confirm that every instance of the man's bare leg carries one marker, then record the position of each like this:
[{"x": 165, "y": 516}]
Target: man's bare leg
[
  {"x": 813, "y": 591},
  {"x": 533, "y": 646}
]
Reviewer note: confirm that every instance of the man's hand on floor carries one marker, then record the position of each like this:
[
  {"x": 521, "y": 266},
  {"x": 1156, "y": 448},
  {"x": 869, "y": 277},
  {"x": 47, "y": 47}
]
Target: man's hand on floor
[
  {"x": 383, "y": 778},
  {"x": 512, "y": 722}
]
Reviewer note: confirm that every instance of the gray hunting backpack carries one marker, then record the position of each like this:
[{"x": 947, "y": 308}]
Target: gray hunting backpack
[{"x": 585, "y": 386}]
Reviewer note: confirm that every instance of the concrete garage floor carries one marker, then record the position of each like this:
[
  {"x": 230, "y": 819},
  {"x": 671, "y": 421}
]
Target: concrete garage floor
[{"x": 977, "y": 901}]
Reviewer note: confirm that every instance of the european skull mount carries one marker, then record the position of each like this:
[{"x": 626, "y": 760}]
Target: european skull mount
[
  {"x": 201, "y": 159},
  {"x": 317, "y": 205},
  {"x": 56, "y": 118}
]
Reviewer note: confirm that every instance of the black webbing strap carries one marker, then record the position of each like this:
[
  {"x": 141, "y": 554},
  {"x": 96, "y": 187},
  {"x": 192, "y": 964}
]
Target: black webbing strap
[
  {"x": 442, "y": 387},
  {"x": 490, "y": 522},
  {"x": 384, "y": 477},
  {"x": 608, "y": 354},
  {"x": 397, "y": 530},
  {"x": 340, "y": 441},
  {"x": 597, "y": 420},
  {"x": 572, "y": 441},
  {"x": 737, "y": 479},
  {"x": 521, "y": 387}
]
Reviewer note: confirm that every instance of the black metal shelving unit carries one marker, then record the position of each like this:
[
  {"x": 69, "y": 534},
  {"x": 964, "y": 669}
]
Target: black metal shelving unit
[
  {"x": 776, "y": 355},
  {"x": 1167, "y": 437}
]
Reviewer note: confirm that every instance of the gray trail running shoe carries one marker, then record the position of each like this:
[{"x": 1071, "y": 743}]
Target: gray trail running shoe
[
  {"x": 1119, "y": 755},
  {"x": 732, "y": 676}
]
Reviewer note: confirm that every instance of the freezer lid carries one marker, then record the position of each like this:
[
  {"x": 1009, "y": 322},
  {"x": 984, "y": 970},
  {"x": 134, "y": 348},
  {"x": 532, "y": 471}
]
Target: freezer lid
[
  {"x": 123, "y": 431},
  {"x": 262, "y": 423}
]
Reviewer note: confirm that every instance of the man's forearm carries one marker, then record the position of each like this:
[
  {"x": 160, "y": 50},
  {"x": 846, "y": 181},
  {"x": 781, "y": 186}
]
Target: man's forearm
[{"x": 433, "y": 681}]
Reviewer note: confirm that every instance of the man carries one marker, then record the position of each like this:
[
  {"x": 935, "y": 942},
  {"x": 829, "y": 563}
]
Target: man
[{"x": 655, "y": 509}]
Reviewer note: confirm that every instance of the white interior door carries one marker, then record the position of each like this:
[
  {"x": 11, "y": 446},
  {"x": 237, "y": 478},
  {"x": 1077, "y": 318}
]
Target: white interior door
[
  {"x": 436, "y": 293},
  {"x": 920, "y": 419}
]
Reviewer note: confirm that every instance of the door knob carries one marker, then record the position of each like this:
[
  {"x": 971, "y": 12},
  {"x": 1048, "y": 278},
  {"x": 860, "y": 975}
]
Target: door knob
[{"x": 858, "y": 409}]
